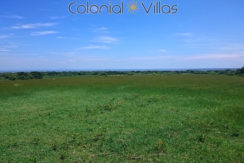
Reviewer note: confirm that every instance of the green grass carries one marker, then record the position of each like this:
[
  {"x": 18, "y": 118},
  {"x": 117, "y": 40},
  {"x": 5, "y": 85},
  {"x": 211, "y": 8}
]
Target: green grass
[{"x": 143, "y": 118}]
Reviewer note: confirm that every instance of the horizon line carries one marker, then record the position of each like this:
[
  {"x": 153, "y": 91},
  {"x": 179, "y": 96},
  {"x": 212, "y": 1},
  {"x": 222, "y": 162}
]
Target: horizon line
[{"x": 98, "y": 70}]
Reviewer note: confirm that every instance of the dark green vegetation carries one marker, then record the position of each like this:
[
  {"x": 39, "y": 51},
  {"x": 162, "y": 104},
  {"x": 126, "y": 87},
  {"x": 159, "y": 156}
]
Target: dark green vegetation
[
  {"x": 40, "y": 75},
  {"x": 22, "y": 75},
  {"x": 139, "y": 118}
]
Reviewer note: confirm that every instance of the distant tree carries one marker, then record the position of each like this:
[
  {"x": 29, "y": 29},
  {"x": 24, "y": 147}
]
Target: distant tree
[
  {"x": 23, "y": 76},
  {"x": 36, "y": 75},
  {"x": 9, "y": 76},
  {"x": 242, "y": 70},
  {"x": 53, "y": 73},
  {"x": 103, "y": 74},
  {"x": 95, "y": 73}
]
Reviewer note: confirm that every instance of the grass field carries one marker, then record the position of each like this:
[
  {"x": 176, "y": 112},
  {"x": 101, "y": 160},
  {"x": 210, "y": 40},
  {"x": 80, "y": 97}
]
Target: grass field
[{"x": 142, "y": 118}]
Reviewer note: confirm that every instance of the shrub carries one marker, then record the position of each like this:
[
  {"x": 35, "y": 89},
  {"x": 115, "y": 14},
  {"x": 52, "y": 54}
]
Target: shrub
[{"x": 36, "y": 75}]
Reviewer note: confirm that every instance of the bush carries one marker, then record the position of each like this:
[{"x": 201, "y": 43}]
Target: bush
[
  {"x": 242, "y": 70},
  {"x": 9, "y": 76},
  {"x": 23, "y": 76},
  {"x": 36, "y": 75}
]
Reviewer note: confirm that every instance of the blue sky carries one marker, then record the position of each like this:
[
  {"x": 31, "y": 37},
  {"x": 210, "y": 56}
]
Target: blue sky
[{"x": 43, "y": 35}]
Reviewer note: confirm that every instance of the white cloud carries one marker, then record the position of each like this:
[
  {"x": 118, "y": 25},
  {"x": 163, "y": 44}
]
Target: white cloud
[
  {"x": 105, "y": 39},
  {"x": 42, "y": 33},
  {"x": 5, "y": 36},
  {"x": 4, "y": 50},
  {"x": 60, "y": 37},
  {"x": 101, "y": 30},
  {"x": 33, "y": 26},
  {"x": 153, "y": 58},
  {"x": 163, "y": 50},
  {"x": 186, "y": 34},
  {"x": 7, "y": 47},
  {"x": 82, "y": 61},
  {"x": 199, "y": 57},
  {"x": 231, "y": 47},
  {"x": 93, "y": 47},
  {"x": 214, "y": 56},
  {"x": 12, "y": 17}
]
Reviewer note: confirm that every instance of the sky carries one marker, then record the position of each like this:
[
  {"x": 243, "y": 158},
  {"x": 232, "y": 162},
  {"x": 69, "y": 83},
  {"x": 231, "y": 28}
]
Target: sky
[{"x": 44, "y": 35}]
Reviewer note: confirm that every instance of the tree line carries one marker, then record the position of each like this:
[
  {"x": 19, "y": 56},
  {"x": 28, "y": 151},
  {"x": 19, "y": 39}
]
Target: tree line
[{"x": 40, "y": 75}]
